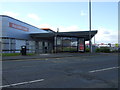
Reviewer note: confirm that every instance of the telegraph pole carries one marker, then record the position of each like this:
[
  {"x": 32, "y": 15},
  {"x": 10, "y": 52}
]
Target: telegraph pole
[{"x": 90, "y": 43}]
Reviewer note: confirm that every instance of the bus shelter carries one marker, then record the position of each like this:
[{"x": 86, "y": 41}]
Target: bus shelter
[{"x": 65, "y": 41}]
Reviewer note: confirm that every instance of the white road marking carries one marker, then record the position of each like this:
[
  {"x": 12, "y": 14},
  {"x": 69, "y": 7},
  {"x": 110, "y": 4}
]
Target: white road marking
[
  {"x": 22, "y": 83},
  {"x": 103, "y": 69}
]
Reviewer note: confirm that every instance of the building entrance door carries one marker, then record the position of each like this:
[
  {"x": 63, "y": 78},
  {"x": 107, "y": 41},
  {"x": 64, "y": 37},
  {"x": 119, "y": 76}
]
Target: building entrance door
[
  {"x": 42, "y": 47},
  {"x": 45, "y": 47}
]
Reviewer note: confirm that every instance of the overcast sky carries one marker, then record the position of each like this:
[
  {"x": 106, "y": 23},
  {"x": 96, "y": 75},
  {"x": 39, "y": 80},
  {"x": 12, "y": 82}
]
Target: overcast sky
[{"x": 68, "y": 16}]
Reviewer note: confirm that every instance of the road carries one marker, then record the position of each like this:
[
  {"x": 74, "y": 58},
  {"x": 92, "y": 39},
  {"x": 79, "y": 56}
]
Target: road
[{"x": 94, "y": 71}]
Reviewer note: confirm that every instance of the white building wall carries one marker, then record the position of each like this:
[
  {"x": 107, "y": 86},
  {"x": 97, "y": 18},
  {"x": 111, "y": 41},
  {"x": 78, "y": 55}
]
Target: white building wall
[
  {"x": 16, "y": 33},
  {"x": 14, "y": 38}
]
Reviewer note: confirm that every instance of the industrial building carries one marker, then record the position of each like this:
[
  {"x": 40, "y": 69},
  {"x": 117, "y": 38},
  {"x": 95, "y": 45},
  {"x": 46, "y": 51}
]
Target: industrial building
[{"x": 16, "y": 33}]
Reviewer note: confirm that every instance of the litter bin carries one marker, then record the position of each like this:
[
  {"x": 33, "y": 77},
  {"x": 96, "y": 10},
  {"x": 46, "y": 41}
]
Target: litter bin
[{"x": 23, "y": 50}]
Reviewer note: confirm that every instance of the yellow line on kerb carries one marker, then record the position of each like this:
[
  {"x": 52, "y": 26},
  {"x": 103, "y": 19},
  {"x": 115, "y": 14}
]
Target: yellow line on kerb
[
  {"x": 31, "y": 59},
  {"x": 27, "y": 59}
]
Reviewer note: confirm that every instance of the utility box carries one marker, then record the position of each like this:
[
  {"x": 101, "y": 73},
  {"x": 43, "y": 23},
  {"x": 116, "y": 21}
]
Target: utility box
[{"x": 23, "y": 50}]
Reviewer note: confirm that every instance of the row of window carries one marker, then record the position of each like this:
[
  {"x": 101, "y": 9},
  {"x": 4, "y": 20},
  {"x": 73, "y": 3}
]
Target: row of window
[{"x": 14, "y": 46}]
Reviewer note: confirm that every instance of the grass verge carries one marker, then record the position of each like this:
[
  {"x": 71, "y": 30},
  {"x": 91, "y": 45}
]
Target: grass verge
[{"x": 16, "y": 54}]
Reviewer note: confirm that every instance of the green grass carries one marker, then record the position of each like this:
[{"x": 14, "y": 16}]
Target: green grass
[
  {"x": 69, "y": 49},
  {"x": 16, "y": 54}
]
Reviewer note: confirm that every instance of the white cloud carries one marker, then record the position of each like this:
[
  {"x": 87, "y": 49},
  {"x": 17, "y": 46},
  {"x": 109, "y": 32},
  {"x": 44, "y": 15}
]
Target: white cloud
[
  {"x": 69, "y": 28},
  {"x": 83, "y": 13},
  {"x": 34, "y": 16},
  {"x": 61, "y": 28},
  {"x": 106, "y": 36},
  {"x": 44, "y": 26},
  {"x": 47, "y": 26},
  {"x": 9, "y": 13}
]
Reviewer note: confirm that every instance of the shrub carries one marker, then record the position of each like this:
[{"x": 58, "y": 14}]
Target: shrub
[
  {"x": 87, "y": 50},
  {"x": 97, "y": 50},
  {"x": 103, "y": 49}
]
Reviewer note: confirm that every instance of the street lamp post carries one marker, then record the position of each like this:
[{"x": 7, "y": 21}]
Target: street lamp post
[{"x": 90, "y": 43}]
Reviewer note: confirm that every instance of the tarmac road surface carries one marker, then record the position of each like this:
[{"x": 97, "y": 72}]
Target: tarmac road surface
[{"x": 84, "y": 71}]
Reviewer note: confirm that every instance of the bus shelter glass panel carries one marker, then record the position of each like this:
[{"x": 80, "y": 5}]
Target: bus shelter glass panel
[
  {"x": 69, "y": 44},
  {"x": 66, "y": 44},
  {"x": 74, "y": 44}
]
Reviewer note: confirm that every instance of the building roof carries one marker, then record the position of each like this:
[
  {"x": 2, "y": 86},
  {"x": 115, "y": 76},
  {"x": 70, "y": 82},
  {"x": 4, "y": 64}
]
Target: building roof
[
  {"x": 19, "y": 21},
  {"x": 78, "y": 34},
  {"x": 47, "y": 29}
]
